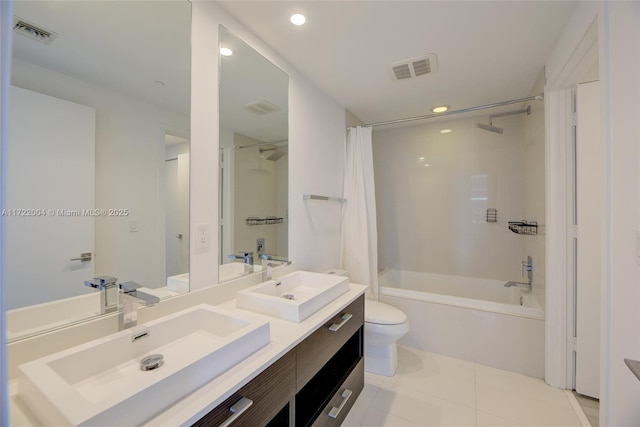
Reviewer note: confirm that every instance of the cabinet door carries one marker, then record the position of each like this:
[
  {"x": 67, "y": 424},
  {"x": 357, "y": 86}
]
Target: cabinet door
[
  {"x": 268, "y": 393},
  {"x": 315, "y": 351},
  {"x": 340, "y": 404}
]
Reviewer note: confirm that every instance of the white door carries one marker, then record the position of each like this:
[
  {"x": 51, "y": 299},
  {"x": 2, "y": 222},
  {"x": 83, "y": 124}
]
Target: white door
[
  {"x": 177, "y": 215},
  {"x": 50, "y": 180},
  {"x": 589, "y": 210}
]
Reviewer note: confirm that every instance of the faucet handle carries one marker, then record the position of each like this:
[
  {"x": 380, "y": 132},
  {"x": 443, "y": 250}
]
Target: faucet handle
[
  {"x": 128, "y": 287},
  {"x": 240, "y": 255},
  {"x": 101, "y": 282}
]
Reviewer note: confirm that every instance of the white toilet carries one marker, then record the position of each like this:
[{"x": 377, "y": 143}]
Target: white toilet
[{"x": 383, "y": 326}]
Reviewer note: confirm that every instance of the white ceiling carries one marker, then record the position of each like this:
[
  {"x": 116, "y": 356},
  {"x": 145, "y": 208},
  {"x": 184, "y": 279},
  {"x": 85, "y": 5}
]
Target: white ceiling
[
  {"x": 487, "y": 51},
  {"x": 122, "y": 45}
]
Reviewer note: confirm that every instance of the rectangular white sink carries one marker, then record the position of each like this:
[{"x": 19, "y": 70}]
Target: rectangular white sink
[
  {"x": 293, "y": 297},
  {"x": 102, "y": 383}
]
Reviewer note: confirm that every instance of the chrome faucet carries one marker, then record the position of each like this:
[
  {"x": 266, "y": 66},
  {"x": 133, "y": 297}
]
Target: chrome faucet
[
  {"x": 108, "y": 288},
  {"x": 528, "y": 267},
  {"x": 130, "y": 293},
  {"x": 267, "y": 273},
  {"x": 518, "y": 284},
  {"x": 278, "y": 260},
  {"x": 247, "y": 259}
]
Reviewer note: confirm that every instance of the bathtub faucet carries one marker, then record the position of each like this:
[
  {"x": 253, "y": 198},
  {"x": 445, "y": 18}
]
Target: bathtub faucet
[
  {"x": 528, "y": 267},
  {"x": 518, "y": 284}
]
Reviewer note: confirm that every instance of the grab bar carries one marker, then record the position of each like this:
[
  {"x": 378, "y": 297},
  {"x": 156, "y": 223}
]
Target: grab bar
[{"x": 316, "y": 197}]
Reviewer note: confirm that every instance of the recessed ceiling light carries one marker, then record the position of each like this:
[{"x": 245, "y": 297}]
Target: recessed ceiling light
[
  {"x": 421, "y": 159},
  {"x": 225, "y": 51},
  {"x": 446, "y": 131},
  {"x": 440, "y": 109},
  {"x": 426, "y": 165},
  {"x": 298, "y": 19}
]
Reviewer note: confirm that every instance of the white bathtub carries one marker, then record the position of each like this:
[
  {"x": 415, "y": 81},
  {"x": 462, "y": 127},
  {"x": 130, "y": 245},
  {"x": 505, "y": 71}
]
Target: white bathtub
[{"x": 478, "y": 320}]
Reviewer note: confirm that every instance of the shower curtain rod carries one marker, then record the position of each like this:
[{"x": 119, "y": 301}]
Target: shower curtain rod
[
  {"x": 539, "y": 97},
  {"x": 259, "y": 144}
]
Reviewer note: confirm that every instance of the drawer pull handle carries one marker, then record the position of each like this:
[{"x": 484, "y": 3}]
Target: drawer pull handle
[
  {"x": 335, "y": 411},
  {"x": 237, "y": 409},
  {"x": 345, "y": 318}
]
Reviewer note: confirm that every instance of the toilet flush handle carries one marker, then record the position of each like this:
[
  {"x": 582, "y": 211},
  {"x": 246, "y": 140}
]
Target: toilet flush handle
[{"x": 345, "y": 318}]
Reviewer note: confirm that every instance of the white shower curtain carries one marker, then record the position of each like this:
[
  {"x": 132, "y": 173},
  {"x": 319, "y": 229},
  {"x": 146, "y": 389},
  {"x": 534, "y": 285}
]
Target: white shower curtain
[{"x": 359, "y": 235}]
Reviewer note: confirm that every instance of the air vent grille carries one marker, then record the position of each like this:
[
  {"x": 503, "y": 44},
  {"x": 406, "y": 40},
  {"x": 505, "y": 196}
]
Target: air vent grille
[
  {"x": 402, "y": 72},
  {"x": 261, "y": 107},
  {"x": 421, "y": 67},
  {"x": 414, "y": 67},
  {"x": 33, "y": 31}
]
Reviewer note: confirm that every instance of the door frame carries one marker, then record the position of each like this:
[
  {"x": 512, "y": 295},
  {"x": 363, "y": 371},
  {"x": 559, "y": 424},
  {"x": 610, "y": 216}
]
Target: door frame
[{"x": 559, "y": 295}]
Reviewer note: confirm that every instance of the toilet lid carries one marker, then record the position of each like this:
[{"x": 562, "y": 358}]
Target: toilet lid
[{"x": 382, "y": 314}]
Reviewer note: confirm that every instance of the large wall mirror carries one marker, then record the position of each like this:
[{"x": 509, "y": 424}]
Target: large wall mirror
[
  {"x": 254, "y": 159},
  {"x": 98, "y": 156}
]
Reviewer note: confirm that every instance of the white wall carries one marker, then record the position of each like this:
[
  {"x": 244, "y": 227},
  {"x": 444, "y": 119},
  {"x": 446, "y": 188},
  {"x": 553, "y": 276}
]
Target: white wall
[
  {"x": 255, "y": 186},
  {"x": 621, "y": 38},
  {"x": 433, "y": 219},
  {"x": 316, "y": 145},
  {"x": 618, "y": 50},
  {"x": 129, "y": 157}
]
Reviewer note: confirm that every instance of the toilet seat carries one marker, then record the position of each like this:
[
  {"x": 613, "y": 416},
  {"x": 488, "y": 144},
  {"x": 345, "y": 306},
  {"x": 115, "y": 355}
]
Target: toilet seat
[{"x": 382, "y": 314}]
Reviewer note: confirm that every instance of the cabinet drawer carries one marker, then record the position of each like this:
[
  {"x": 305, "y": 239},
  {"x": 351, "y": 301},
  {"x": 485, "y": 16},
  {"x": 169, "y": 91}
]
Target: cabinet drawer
[
  {"x": 269, "y": 392},
  {"x": 315, "y": 351},
  {"x": 340, "y": 404}
]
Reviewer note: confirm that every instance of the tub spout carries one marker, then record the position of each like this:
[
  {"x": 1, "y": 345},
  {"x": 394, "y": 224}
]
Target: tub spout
[{"x": 518, "y": 284}]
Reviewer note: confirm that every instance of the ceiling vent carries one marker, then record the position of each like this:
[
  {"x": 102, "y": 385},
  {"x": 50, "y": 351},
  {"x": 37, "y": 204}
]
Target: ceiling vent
[
  {"x": 414, "y": 67},
  {"x": 261, "y": 107},
  {"x": 33, "y": 31}
]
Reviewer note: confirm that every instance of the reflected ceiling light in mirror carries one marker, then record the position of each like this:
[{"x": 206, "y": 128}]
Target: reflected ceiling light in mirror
[
  {"x": 446, "y": 131},
  {"x": 225, "y": 51},
  {"x": 298, "y": 19},
  {"x": 440, "y": 108}
]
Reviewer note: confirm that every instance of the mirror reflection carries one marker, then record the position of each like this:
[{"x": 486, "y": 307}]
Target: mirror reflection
[
  {"x": 254, "y": 160},
  {"x": 98, "y": 149}
]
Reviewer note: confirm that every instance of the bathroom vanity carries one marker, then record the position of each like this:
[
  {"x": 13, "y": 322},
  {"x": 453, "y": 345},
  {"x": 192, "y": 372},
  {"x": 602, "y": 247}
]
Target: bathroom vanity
[
  {"x": 315, "y": 383},
  {"x": 307, "y": 373}
]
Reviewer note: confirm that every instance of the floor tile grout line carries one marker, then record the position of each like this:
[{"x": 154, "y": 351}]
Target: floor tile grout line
[
  {"x": 475, "y": 390},
  {"x": 368, "y": 407},
  {"x": 577, "y": 409}
]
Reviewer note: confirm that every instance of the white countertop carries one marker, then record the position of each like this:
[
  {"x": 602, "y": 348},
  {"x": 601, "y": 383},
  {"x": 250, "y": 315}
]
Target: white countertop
[{"x": 285, "y": 336}]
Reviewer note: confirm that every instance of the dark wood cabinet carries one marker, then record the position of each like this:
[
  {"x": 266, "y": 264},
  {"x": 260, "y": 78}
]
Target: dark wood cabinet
[
  {"x": 268, "y": 393},
  {"x": 315, "y": 351},
  {"x": 314, "y": 384}
]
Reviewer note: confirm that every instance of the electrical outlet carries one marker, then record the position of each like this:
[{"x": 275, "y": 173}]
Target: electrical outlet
[{"x": 202, "y": 237}]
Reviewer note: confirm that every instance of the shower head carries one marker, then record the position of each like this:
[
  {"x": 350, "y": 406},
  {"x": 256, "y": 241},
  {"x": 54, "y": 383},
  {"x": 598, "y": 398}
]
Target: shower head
[
  {"x": 275, "y": 156},
  {"x": 490, "y": 128}
]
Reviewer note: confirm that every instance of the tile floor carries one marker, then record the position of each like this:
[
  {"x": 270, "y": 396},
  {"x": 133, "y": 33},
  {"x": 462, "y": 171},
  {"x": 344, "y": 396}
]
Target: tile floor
[
  {"x": 434, "y": 390},
  {"x": 590, "y": 407}
]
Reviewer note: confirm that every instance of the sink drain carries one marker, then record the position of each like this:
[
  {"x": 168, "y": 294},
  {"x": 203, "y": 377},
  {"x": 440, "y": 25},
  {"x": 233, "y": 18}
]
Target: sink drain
[
  {"x": 152, "y": 362},
  {"x": 289, "y": 296}
]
